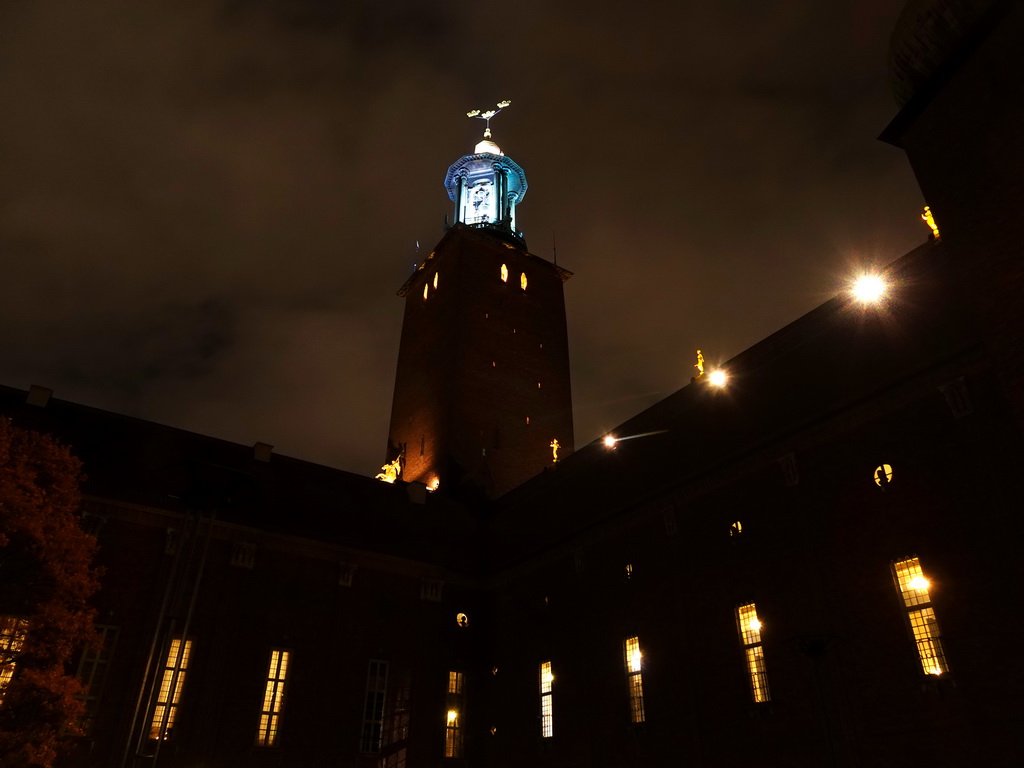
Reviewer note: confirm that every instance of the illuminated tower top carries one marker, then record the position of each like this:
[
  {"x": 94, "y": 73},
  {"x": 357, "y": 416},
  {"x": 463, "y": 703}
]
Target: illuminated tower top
[{"x": 486, "y": 186}]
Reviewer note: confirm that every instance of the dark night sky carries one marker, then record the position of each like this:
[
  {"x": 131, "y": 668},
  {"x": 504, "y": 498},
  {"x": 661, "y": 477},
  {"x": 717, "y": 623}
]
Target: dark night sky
[{"x": 207, "y": 207}]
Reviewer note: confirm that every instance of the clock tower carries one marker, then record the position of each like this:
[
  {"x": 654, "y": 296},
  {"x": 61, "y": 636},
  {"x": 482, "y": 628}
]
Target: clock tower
[{"x": 482, "y": 399}]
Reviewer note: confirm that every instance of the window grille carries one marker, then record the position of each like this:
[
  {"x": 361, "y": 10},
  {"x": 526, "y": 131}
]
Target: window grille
[
  {"x": 168, "y": 699},
  {"x": 750, "y": 637},
  {"x": 547, "y": 718},
  {"x": 92, "y": 671},
  {"x": 915, "y": 589},
  {"x": 273, "y": 699},
  {"x": 634, "y": 678},
  {"x": 453, "y": 717},
  {"x": 373, "y": 706},
  {"x": 13, "y": 631}
]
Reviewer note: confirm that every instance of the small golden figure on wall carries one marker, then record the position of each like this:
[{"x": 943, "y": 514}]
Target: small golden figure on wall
[
  {"x": 390, "y": 471},
  {"x": 929, "y": 219},
  {"x": 700, "y": 363},
  {"x": 554, "y": 450}
]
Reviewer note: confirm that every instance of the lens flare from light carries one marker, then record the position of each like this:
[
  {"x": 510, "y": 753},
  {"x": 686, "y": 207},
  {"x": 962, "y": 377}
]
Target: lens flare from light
[
  {"x": 609, "y": 441},
  {"x": 869, "y": 289},
  {"x": 718, "y": 378},
  {"x": 919, "y": 583}
]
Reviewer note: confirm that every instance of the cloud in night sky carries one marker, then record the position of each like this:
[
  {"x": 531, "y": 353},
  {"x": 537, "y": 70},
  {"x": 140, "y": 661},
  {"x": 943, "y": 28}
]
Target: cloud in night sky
[{"x": 207, "y": 208}]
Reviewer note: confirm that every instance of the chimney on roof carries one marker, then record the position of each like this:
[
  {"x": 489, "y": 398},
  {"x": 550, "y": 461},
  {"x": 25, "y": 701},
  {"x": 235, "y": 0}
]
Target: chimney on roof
[
  {"x": 262, "y": 451},
  {"x": 38, "y": 395},
  {"x": 417, "y": 492}
]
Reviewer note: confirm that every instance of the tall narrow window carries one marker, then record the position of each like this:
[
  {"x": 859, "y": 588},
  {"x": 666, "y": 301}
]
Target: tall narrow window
[
  {"x": 504, "y": 273},
  {"x": 915, "y": 589},
  {"x": 92, "y": 671},
  {"x": 12, "y": 640},
  {"x": 453, "y": 718},
  {"x": 168, "y": 698},
  {"x": 750, "y": 637},
  {"x": 522, "y": 281},
  {"x": 547, "y": 718},
  {"x": 273, "y": 699},
  {"x": 373, "y": 706},
  {"x": 634, "y": 666},
  {"x": 396, "y": 725}
]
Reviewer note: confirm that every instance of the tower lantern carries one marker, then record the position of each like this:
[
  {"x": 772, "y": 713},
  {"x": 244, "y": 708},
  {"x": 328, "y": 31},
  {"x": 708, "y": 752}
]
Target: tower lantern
[{"x": 487, "y": 185}]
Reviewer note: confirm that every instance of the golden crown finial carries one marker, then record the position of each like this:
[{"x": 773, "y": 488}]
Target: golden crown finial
[{"x": 487, "y": 114}]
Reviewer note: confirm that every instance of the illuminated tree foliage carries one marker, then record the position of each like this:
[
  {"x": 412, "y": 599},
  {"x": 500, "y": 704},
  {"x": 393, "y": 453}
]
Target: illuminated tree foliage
[{"x": 46, "y": 579}]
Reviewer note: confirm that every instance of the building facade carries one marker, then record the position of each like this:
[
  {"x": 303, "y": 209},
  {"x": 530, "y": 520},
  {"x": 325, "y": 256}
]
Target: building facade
[{"x": 814, "y": 564}]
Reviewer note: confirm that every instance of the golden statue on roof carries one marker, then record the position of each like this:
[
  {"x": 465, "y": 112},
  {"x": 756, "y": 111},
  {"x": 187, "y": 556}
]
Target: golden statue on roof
[
  {"x": 929, "y": 219},
  {"x": 700, "y": 363},
  {"x": 554, "y": 450},
  {"x": 390, "y": 471}
]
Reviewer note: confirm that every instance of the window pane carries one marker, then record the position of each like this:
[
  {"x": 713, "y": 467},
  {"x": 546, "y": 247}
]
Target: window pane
[
  {"x": 169, "y": 695},
  {"x": 273, "y": 699},
  {"x": 547, "y": 723}
]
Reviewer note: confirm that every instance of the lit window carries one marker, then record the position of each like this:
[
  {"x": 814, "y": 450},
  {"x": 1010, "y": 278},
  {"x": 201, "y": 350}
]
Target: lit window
[
  {"x": 169, "y": 696},
  {"x": 373, "y": 706},
  {"x": 736, "y": 528},
  {"x": 504, "y": 273},
  {"x": 462, "y": 620},
  {"x": 547, "y": 721},
  {"x": 634, "y": 665},
  {"x": 12, "y": 640},
  {"x": 629, "y": 570},
  {"x": 453, "y": 734},
  {"x": 750, "y": 636},
  {"x": 426, "y": 290},
  {"x": 883, "y": 475},
  {"x": 435, "y": 281},
  {"x": 453, "y": 718},
  {"x": 273, "y": 700},
  {"x": 522, "y": 281},
  {"x": 915, "y": 589},
  {"x": 455, "y": 682},
  {"x": 92, "y": 671}
]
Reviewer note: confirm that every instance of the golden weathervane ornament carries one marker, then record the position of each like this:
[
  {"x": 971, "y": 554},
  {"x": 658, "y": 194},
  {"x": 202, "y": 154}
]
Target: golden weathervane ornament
[
  {"x": 700, "y": 364},
  {"x": 928, "y": 219},
  {"x": 486, "y": 115}
]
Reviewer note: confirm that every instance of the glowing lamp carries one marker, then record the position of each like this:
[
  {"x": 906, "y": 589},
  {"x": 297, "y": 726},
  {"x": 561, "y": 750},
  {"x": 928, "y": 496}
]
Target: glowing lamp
[
  {"x": 755, "y": 624},
  {"x": 718, "y": 378},
  {"x": 453, "y": 715},
  {"x": 920, "y": 583},
  {"x": 869, "y": 289},
  {"x": 609, "y": 441},
  {"x": 434, "y": 484}
]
